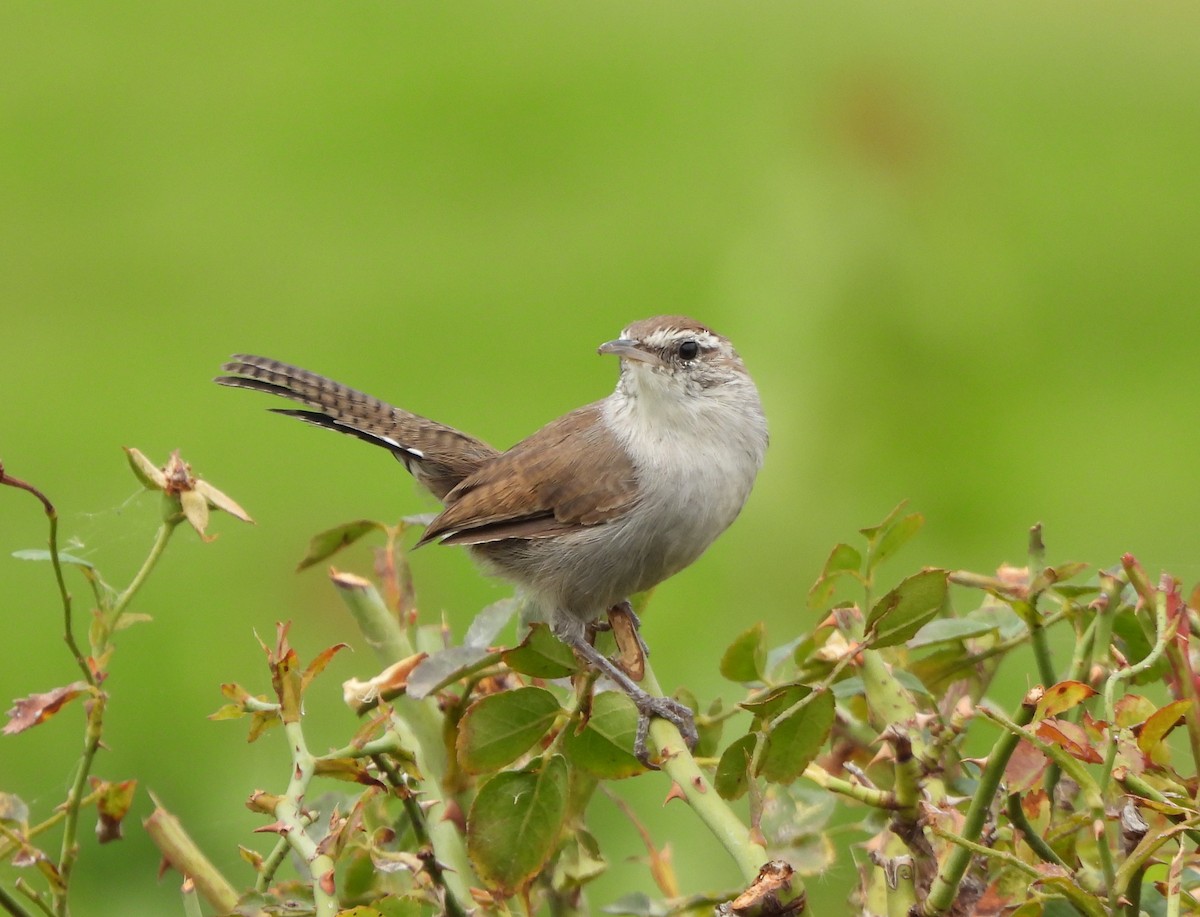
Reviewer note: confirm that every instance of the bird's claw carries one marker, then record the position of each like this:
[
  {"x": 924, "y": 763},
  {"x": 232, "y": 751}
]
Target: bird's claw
[{"x": 666, "y": 708}]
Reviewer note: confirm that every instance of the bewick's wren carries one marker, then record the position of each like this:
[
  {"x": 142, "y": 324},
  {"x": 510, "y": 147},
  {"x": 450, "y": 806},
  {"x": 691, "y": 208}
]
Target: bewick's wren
[{"x": 606, "y": 501}]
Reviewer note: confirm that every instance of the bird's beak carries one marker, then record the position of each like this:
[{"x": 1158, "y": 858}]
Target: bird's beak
[{"x": 628, "y": 349}]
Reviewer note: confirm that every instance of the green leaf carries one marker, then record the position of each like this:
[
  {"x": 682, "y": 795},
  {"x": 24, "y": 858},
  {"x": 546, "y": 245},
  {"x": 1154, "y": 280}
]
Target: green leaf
[
  {"x": 515, "y": 822},
  {"x": 499, "y": 728},
  {"x": 327, "y": 543},
  {"x": 894, "y": 538},
  {"x": 605, "y": 747},
  {"x": 43, "y": 554},
  {"x": 795, "y": 742},
  {"x": 441, "y": 669},
  {"x": 768, "y": 706},
  {"x": 911, "y": 681},
  {"x": 579, "y": 861},
  {"x": 746, "y": 657},
  {"x": 732, "y": 778},
  {"x": 1159, "y": 726},
  {"x": 1136, "y": 645},
  {"x": 843, "y": 560},
  {"x": 1002, "y": 617},
  {"x": 946, "y": 630},
  {"x": 872, "y": 533},
  {"x": 902, "y": 612},
  {"x": 489, "y": 622},
  {"x": 848, "y": 687},
  {"x": 541, "y": 655}
]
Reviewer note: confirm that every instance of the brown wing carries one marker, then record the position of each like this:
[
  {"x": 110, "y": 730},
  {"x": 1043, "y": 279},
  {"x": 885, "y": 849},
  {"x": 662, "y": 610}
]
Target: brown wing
[{"x": 569, "y": 475}]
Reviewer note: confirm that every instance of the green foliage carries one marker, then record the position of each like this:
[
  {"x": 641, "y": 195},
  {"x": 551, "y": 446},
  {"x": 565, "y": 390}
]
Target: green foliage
[
  {"x": 1083, "y": 802},
  {"x": 499, "y": 728},
  {"x": 515, "y": 823}
]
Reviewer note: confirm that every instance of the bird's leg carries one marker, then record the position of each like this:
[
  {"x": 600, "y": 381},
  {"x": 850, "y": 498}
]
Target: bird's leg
[{"x": 647, "y": 704}]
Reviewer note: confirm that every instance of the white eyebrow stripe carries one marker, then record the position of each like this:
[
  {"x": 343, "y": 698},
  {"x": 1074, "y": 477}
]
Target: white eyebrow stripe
[{"x": 667, "y": 335}]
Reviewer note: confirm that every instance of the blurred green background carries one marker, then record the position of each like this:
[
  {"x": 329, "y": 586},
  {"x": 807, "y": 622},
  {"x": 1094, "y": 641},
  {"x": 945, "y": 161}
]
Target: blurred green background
[{"x": 956, "y": 245}]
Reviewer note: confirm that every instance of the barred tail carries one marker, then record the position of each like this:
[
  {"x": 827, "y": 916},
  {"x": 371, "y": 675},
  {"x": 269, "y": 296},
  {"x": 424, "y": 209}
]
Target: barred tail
[{"x": 437, "y": 455}]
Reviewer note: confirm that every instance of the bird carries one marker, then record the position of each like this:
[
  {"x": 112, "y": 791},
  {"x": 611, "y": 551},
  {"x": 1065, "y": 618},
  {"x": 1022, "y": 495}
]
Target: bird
[{"x": 605, "y": 502}]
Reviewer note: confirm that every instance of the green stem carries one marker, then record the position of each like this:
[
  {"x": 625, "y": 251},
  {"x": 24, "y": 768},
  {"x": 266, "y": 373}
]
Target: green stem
[
  {"x": 273, "y": 860},
  {"x": 419, "y": 725},
  {"x": 1070, "y": 766},
  {"x": 1037, "y": 630},
  {"x": 93, "y": 730},
  {"x": 1134, "y": 895},
  {"x": 868, "y": 795},
  {"x": 1135, "y": 864},
  {"x": 889, "y": 703},
  {"x": 113, "y": 615},
  {"x": 1181, "y": 666},
  {"x": 95, "y": 722},
  {"x": 11, "y": 905},
  {"x": 178, "y": 849},
  {"x": 420, "y": 830},
  {"x": 191, "y": 902},
  {"x": 954, "y": 866},
  {"x": 289, "y": 811},
  {"x": 16, "y": 841},
  {"x": 387, "y": 744},
  {"x": 1076, "y": 897},
  {"x": 56, "y": 563},
  {"x": 1016, "y": 815},
  {"x": 681, "y": 767},
  {"x": 34, "y": 896},
  {"x": 1164, "y": 631}
]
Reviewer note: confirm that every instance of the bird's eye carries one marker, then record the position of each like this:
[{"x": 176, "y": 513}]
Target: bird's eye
[{"x": 689, "y": 350}]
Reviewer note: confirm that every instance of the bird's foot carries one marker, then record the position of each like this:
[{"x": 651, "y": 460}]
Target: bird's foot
[
  {"x": 665, "y": 708},
  {"x": 648, "y": 705}
]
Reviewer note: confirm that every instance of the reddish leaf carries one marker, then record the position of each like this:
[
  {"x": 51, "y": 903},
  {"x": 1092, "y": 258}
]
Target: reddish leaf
[
  {"x": 314, "y": 668},
  {"x": 37, "y": 708},
  {"x": 1036, "y": 806},
  {"x": 1094, "y": 728},
  {"x": 1070, "y": 737},
  {"x": 285, "y": 677},
  {"x": 1024, "y": 768},
  {"x": 1062, "y": 697},
  {"x": 349, "y": 769}
]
